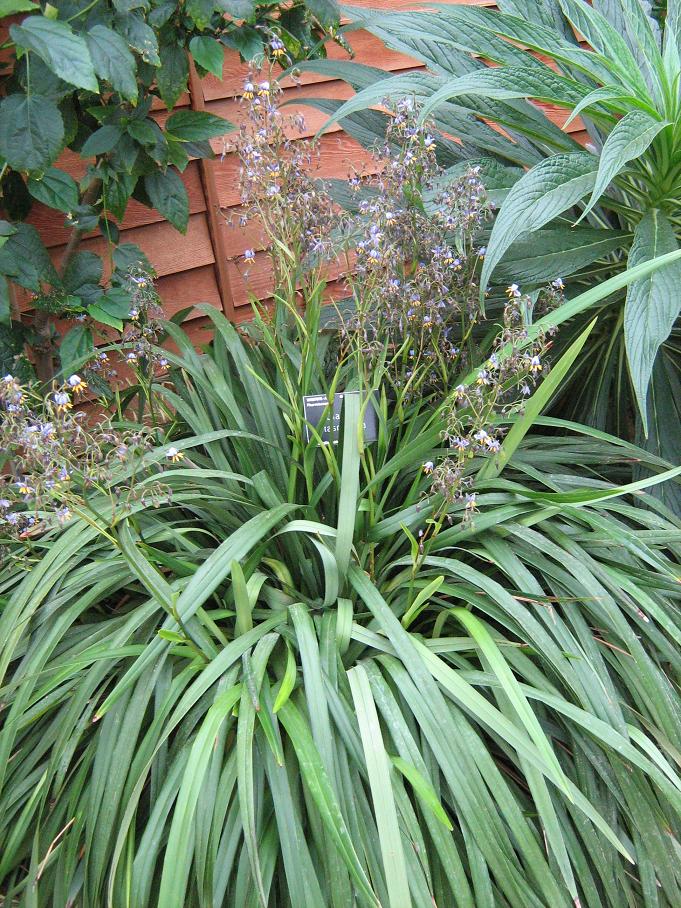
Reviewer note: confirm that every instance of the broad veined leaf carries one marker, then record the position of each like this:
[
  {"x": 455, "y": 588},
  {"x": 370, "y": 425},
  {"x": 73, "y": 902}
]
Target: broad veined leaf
[
  {"x": 201, "y": 11},
  {"x": 102, "y": 316},
  {"x": 547, "y": 13},
  {"x": 444, "y": 43},
  {"x": 84, "y": 268},
  {"x": 25, "y": 259},
  {"x": 56, "y": 189},
  {"x": 528, "y": 33},
  {"x": 173, "y": 73},
  {"x": 208, "y": 53},
  {"x": 5, "y": 307},
  {"x": 196, "y": 125},
  {"x": 75, "y": 347},
  {"x": 416, "y": 84},
  {"x": 547, "y": 190},
  {"x": 327, "y": 11},
  {"x": 102, "y": 140},
  {"x": 116, "y": 302},
  {"x": 56, "y": 43},
  {"x": 139, "y": 36},
  {"x": 608, "y": 95},
  {"x": 505, "y": 83},
  {"x": 642, "y": 34},
  {"x": 554, "y": 252},
  {"x": 629, "y": 139},
  {"x": 113, "y": 60},
  {"x": 31, "y": 131},
  {"x": 652, "y": 304},
  {"x": 238, "y": 9},
  {"x": 167, "y": 193},
  {"x": 673, "y": 21}
]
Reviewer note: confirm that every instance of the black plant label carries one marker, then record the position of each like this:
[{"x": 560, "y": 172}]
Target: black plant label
[{"x": 327, "y": 419}]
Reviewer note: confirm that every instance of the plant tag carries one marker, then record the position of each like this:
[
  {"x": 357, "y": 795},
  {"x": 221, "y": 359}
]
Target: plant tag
[{"x": 314, "y": 406}]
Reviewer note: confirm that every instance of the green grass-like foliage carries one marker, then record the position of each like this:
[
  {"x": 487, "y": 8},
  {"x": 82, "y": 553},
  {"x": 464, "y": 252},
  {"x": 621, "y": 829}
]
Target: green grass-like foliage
[{"x": 270, "y": 690}]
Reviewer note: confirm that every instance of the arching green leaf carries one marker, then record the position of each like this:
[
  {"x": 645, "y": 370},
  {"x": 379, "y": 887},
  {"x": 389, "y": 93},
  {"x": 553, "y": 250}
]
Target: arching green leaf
[
  {"x": 631, "y": 136},
  {"x": 652, "y": 305},
  {"x": 550, "y": 188}
]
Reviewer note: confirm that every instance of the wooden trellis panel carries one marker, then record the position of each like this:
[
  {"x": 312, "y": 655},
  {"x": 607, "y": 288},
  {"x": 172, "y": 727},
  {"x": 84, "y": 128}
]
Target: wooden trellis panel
[{"x": 203, "y": 266}]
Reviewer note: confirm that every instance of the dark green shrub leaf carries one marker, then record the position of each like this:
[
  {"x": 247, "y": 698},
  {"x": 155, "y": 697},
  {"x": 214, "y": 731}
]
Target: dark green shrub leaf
[
  {"x": 25, "y": 259},
  {"x": 173, "y": 74},
  {"x": 31, "y": 131},
  {"x": 201, "y": 11},
  {"x": 117, "y": 193},
  {"x": 116, "y": 302},
  {"x": 10, "y": 7},
  {"x": 12, "y": 360},
  {"x": 129, "y": 255},
  {"x": 109, "y": 229},
  {"x": 4, "y": 301},
  {"x": 101, "y": 141},
  {"x": 238, "y": 9},
  {"x": 84, "y": 268},
  {"x": 652, "y": 305},
  {"x": 177, "y": 153},
  {"x": 6, "y": 230},
  {"x": 160, "y": 14},
  {"x": 16, "y": 200},
  {"x": 101, "y": 315},
  {"x": 75, "y": 346},
  {"x": 55, "y": 189},
  {"x": 208, "y": 53},
  {"x": 139, "y": 36},
  {"x": 246, "y": 40},
  {"x": 126, "y": 6},
  {"x": 113, "y": 60},
  {"x": 167, "y": 194},
  {"x": 124, "y": 155},
  {"x": 198, "y": 149},
  {"x": 143, "y": 131},
  {"x": 64, "y": 52},
  {"x": 327, "y": 11},
  {"x": 83, "y": 217},
  {"x": 196, "y": 125}
]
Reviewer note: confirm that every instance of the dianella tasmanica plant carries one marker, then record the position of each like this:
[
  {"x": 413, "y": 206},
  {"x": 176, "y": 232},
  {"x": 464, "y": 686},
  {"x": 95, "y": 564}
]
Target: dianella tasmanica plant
[
  {"x": 301, "y": 679},
  {"x": 585, "y": 212}
]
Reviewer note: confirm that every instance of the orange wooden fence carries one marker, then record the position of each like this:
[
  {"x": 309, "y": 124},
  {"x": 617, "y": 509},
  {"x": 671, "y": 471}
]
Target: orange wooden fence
[{"x": 203, "y": 266}]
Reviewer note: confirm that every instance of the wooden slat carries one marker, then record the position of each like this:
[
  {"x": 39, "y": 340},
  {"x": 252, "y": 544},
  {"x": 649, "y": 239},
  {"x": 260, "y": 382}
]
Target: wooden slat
[
  {"x": 367, "y": 49},
  {"x": 168, "y": 251},
  {"x": 50, "y": 223},
  {"x": 214, "y": 219},
  {"x": 189, "y": 288}
]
